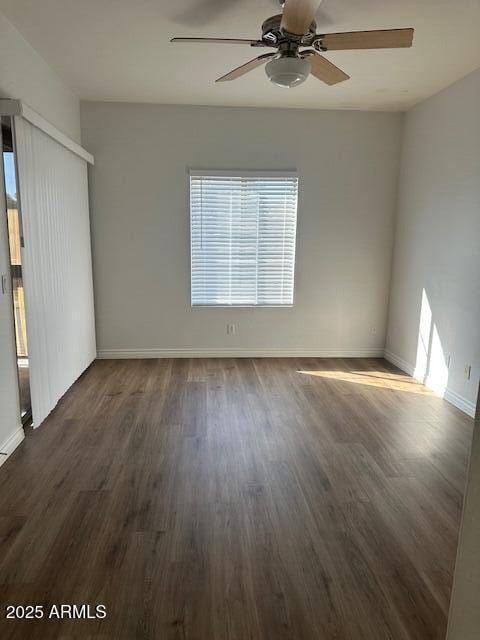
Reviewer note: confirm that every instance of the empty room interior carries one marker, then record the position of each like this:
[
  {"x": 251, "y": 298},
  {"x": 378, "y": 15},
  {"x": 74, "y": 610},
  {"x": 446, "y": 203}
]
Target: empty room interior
[{"x": 239, "y": 320}]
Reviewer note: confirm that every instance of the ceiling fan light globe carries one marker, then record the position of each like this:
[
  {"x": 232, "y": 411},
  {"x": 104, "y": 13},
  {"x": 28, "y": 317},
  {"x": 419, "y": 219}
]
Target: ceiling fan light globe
[{"x": 288, "y": 71}]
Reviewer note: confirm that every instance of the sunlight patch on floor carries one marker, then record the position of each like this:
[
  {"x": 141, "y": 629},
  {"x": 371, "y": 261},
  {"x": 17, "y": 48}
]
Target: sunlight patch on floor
[{"x": 380, "y": 379}]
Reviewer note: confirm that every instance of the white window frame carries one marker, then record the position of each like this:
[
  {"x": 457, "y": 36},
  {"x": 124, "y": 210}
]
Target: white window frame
[{"x": 240, "y": 173}]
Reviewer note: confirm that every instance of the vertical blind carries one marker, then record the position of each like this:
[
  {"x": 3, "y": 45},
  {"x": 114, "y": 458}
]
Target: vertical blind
[
  {"x": 243, "y": 230},
  {"x": 57, "y": 265}
]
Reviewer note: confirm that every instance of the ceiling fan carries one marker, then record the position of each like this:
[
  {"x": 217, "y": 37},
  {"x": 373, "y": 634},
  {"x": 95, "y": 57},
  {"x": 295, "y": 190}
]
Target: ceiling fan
[{"x": 290, "y": 65}]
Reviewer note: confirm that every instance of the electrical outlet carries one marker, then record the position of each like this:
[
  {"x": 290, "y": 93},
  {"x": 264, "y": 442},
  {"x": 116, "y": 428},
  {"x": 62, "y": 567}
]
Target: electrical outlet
[
  {"x": 468, "y": 371},
  {"x": 448, "y": 360},
  {"x": 231, "y": 329}
]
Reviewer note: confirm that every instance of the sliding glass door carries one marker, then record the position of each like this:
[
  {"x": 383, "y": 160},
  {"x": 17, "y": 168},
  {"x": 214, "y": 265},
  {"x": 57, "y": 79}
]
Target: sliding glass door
[{"x": 15, "y": 242}]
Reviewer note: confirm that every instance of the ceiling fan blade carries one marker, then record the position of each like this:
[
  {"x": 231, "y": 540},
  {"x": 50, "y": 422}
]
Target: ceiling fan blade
[
  {"x": 298, "y": 15},
  {"x": 384, "y": 39},
  {"x": 325, "y": 70},
  {"x": 257, "y": 43},
  {"x": 245, "y": 68}
]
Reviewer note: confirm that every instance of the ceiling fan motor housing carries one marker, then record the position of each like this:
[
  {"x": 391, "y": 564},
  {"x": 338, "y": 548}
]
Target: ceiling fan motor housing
[{"x": 273, "y": 34}]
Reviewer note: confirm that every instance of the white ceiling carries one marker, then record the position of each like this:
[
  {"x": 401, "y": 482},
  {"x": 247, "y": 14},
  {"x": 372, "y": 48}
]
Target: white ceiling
[{"x": 120, "y": 50}]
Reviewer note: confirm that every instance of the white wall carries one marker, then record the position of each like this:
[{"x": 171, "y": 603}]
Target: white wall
[
  {"x": 435, "y": 291},
  {"x": 26, "y": 76},
  {"x": 348, "y": 163}
]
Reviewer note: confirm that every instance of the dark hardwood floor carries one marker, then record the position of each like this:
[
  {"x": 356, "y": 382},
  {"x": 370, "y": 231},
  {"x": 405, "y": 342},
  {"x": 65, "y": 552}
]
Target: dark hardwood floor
[{"x": 247, "y": 499}]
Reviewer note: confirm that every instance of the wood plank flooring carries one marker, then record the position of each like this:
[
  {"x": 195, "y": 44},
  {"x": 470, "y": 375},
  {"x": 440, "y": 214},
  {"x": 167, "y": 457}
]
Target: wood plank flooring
[{"x": 247, "y": 499}]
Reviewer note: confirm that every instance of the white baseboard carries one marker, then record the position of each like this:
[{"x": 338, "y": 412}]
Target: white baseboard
[
  {"x": 460, "y": 402},
  {"x": 447, "y": 394},
  {"x": 10, "y": 444},
  {"x": 239, "y": 353},
  {"x": 399, "y": 362}
]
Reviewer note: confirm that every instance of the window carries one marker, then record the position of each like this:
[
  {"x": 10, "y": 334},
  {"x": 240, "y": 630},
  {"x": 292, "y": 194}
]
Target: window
[{"x": 243, "y": 231}]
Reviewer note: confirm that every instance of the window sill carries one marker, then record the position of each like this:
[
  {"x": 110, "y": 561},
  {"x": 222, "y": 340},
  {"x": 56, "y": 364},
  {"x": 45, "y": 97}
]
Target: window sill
[{"x": 242, "y": 306}]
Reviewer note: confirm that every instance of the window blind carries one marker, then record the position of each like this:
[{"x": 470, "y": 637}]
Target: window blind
[
  {"x": 57, "y": 265},
  {"x": 243, "y": 230}
]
